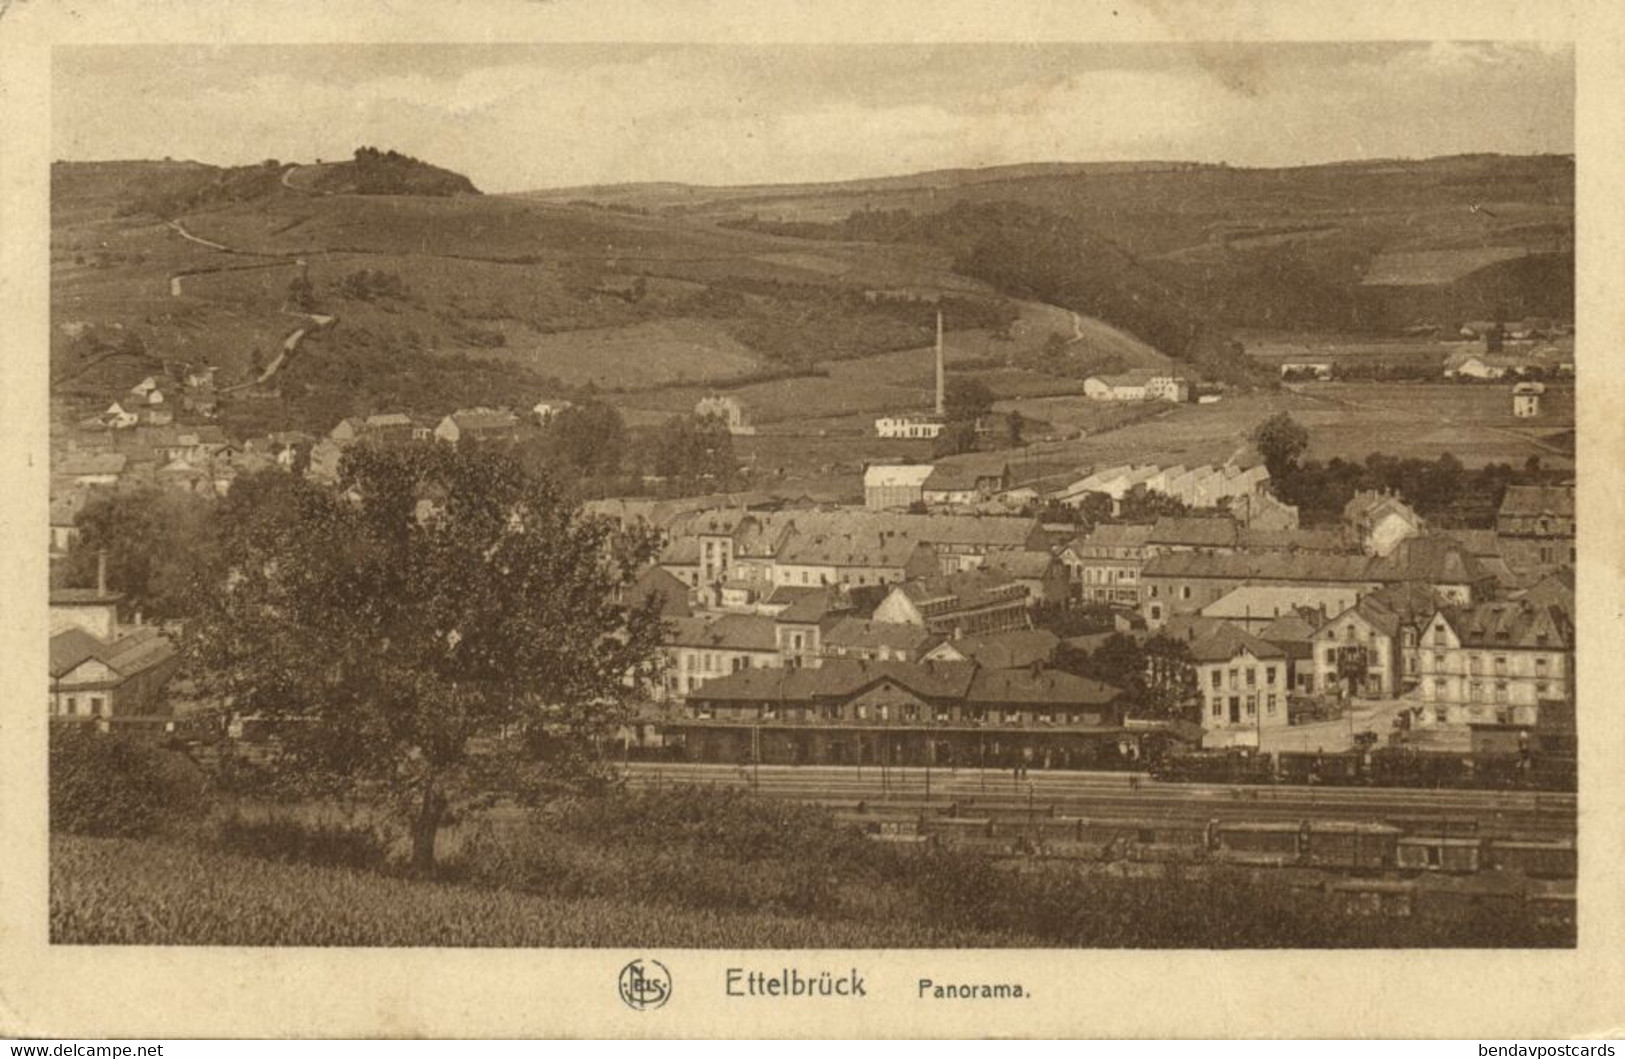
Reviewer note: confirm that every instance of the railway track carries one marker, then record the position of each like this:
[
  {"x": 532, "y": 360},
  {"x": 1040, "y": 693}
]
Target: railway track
[{"x": 1039, "y": 796}]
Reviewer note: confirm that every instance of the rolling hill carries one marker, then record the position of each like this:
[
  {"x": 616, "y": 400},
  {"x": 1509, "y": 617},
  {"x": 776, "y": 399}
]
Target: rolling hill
[
  {"x": 1255, "y": 248},
  {"x": 450, "y": 298}
]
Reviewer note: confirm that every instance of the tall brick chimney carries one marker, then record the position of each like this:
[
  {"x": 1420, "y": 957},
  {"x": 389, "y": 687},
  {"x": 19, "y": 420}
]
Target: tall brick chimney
[{"x": 942, "y": 371}]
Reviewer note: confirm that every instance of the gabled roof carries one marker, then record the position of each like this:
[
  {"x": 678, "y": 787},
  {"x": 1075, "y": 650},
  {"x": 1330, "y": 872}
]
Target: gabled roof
[
  {"x": 908, "y": 475},
  {"x": 1556, "y": 500},
  {"x": 1288, "y": 629},
  {"x": 1021, "y": 563},
  {"x": 808, "y": 605},
  {"x": 1273, "y": 601},
  {"x": 656, "y": 581},
  {"x": 966, "y": 590},
  {"x": 1438, "y": 560},
  {"x": 1554, "y": 590},
  {"x": 729, "y": 632},
  {"x": 848, "y": 550},
  {"x": 134, "y": 653},
  {"x": 852, "y": 632},
  {"x": 1512, "y": 624},
  {"x": 484, "y": 419},
  {"x": 138, "y": 651},
  {"x": 949, "y": 477},
  {"x": 1044, "y": 687},
  {"x": 385, "y": 420},
  {"x": 1367, "y": 503},
  {"x": 1281, "y": 566},
  {"x": 680, "y": 551},
  {"x": 1195, "y": 532},
  {"x": 1303, "y": 540},
  {"x": 1227, "y": 641},
  {"x": 837, "y": 678},
  {"x": 70, "y": 649},
  {"x": 1116, "y": 535},
  {"x": 1126, "y": 378},
  {"x": 1015, "y": 649}
]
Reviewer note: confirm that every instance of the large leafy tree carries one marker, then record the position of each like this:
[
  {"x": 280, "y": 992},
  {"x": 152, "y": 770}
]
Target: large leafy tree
[
  {"x": 154, "y": 540},
  {"x": 695, "y": 451},
  {"x": 1280, "y": 439},
  {"x": 435, "y": 598}
]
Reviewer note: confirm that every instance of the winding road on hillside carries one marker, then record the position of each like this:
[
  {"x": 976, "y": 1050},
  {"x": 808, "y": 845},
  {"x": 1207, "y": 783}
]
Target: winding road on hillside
[{"x": 290, "y": 343}]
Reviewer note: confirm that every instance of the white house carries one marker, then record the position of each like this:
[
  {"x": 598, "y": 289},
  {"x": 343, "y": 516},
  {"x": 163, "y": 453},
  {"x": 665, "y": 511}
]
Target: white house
[
  {"x": 546, "y": 410},
  {"x": 117, "y": 418},
  {"x": 909, "y": 426},
  {"x": 1126, "y": 386},
  {"x": 1526, "y": 399}
]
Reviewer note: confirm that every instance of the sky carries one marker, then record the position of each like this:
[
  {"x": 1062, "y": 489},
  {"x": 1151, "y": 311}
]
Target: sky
[{"x": 519, "y": 117}]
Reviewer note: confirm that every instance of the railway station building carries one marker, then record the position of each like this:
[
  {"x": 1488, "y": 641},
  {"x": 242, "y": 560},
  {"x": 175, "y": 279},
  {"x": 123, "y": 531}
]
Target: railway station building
[{"x": 861, "y": 712}]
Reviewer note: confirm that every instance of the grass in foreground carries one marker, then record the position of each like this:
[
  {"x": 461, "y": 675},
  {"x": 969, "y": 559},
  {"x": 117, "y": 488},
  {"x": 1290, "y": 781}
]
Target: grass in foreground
[{"x": 134, "y": 892}]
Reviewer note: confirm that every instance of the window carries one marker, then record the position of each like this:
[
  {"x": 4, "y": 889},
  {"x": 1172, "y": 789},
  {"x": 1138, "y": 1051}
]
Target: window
[
  {"x": 1252, "y": 676},
  {"x": 1269, "y": 704},
  {"x": 1218, "y": 678},
  {"x": 1252, "y": 705},
  {"x": 73, "y": 705},
  {"x": 1232, "y": 678},
  {"x": 1543, "y": 689},
  {"x": 1269, "y": 675},
  {"x": 863, "y": 712},
  {"x": 1184, "y": 592},
  {"x": 1500, "y": 691},
  {"x": 1218, "y": 708}
]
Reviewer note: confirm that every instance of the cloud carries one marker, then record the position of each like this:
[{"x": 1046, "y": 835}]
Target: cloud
[{"x": 516, "y": 118}]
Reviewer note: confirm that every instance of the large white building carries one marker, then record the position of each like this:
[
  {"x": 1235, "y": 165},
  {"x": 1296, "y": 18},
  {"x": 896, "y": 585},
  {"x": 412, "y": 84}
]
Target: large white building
[
  {"x": 909, "y": 426},
  {"x": 894, "y": 485}
]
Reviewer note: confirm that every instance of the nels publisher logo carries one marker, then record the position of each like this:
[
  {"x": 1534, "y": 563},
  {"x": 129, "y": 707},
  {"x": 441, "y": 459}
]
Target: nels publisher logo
[{"x": 645, "y": 985}]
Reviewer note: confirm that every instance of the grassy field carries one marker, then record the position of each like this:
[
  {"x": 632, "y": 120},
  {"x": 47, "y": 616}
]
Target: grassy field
[
  {"x": 1347, "y": 420},
  {"x": 1276, "y": 348},
  {"x": 145, "y": 892},
  {"x": 664, "y": 352}
]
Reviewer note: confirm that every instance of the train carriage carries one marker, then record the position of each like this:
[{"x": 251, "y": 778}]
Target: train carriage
[
  {"x": 1548, "y": 859},
  {"x": 1262, "y": 844},
  {"x": 1438, "y": 853},
  {"x": 1345, "y": 846}
]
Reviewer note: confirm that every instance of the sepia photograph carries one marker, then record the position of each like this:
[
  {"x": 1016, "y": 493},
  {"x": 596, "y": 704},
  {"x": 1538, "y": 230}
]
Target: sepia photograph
[
  {"x": 806, "y": 520},
  {"x": 829, "y": 496}
]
